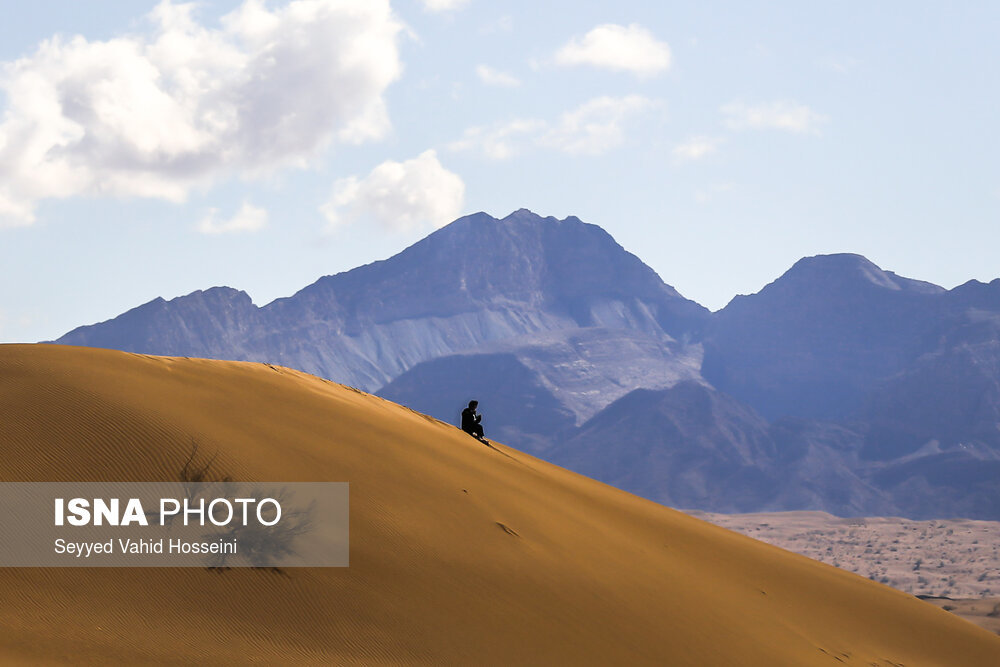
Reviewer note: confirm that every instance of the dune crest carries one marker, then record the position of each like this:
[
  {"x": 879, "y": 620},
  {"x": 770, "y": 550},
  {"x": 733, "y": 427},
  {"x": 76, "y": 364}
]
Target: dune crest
[{"x": 460, "y": 554}]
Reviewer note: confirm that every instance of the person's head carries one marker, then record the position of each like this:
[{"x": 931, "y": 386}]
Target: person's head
[{"x": 473, "y": 404}]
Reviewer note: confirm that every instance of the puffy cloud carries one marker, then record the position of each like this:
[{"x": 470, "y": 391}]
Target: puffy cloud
[
  {"x": 629, "y": 48},
  {"x": 248, "y": 219},
  {"x": 595, "y": 127},
  {"x": 493, "y": 77},
  {"x": 781, "y": 115},
  {"x": 399, "y": 196},
  {"x": 155, "y": 114},
  {"x": 443, "y": 5},
  {"x": 14, "y": 211},
  {"x": 696, "y": 148}
]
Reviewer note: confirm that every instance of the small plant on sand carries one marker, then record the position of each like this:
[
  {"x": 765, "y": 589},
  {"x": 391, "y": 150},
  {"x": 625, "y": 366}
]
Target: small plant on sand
[{"x": 196, "y": 473}]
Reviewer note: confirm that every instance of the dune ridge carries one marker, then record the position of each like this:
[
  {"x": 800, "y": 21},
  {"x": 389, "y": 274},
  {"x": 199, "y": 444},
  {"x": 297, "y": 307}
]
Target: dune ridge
[{"x": 460, "y": 554}]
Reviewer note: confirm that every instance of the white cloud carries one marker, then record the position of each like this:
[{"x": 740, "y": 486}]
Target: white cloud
[
  {"x": 184, "y": 105},
  {"x": 781, "y": 115},
  {"x": 696, "y": 148},
  {"x": 493, "y": 77},
  {"x": 595, "y": 127},
  {"x": 629, "y": 48},
  {"x": 248, "y": 219},
  {"x": 443, "y": 5},
  {"x": 14, "y": 211},
  {"x": 399, "y": 196},
  {"x": 501, "y": 141}
]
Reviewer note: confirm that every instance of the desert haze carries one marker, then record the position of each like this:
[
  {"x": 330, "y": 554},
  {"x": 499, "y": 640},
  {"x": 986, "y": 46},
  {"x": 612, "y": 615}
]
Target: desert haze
[{"x": 460, "y": 554}]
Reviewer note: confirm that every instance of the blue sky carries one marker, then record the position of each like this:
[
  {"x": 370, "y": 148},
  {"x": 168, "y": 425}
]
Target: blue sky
[{"x": 150, "y": 149}]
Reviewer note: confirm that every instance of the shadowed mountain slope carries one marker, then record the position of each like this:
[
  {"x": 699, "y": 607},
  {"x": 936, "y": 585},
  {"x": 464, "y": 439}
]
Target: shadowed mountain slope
[
  {"x": 691, "y": 446},
  {"x": 815, "y": 341},
  {"x": 539, "y": 387}
]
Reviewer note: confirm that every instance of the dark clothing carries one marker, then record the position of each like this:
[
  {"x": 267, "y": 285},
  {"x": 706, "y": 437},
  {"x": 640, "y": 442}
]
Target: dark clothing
[{"x": 470, "y": 422}]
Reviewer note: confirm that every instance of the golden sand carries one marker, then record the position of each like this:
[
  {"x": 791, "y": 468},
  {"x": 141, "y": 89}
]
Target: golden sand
[{"x": 460, "y": 554}]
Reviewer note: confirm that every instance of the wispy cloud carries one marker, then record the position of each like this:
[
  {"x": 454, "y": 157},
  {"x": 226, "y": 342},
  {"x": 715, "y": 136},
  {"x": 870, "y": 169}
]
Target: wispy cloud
[
  {"x": 840, "y": 64},
  {"x": 780, "y": 115},
  {"x": 443, "y": 5},
  {"x": 595, "y": 127},
  {"x": 503, "y": 24},
  {"x": 696, "y": 148},
  {"x": 155, "y": 114},
  {"x": 630, "y": 48},
  {"x": 493, "y": 77},
  {"x": 501, "y": 141},
  {"x": 248, "y": 219},
  {"x": 398, "y": 196}
]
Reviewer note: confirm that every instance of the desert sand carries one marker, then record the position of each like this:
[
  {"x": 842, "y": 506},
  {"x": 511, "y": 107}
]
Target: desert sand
[
  {"x": 984, "y": 612},
  {"x": 460, "y": 554}
]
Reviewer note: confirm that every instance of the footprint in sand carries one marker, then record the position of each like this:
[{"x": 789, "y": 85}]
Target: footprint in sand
[{"x": 507, "y": 529}]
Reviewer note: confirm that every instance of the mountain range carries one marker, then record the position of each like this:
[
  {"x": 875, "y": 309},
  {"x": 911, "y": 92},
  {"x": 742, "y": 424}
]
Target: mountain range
[{"x": 838, "y": 387}]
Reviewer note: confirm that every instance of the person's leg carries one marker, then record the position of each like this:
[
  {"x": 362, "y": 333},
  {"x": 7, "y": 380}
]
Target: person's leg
[{"x": 478, "y": 430}]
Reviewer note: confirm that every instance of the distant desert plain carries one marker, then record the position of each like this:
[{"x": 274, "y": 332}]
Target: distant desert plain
[
  {"x": 953, "y": 563},
  {"x": 459, "y": 553},
  {"x": 956, "y": 558}
]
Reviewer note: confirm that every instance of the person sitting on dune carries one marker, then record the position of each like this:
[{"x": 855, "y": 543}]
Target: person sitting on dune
[{"x": 471, "y": 421}]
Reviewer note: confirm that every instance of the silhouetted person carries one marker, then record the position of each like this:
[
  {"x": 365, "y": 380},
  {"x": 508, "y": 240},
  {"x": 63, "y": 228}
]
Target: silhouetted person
[{"x": 471, "y": 419}]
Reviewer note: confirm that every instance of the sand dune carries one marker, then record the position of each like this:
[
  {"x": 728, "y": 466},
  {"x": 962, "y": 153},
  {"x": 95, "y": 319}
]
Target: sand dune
[
  {"x": 459, "y": 554},
  {"x": 984, "y": 612}
]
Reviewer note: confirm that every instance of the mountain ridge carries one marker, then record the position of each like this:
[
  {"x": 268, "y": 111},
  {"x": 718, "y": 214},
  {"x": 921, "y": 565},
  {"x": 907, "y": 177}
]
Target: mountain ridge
[
  {"x": 864, "y": 378},
  {"x": 515, "y": 282}
]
